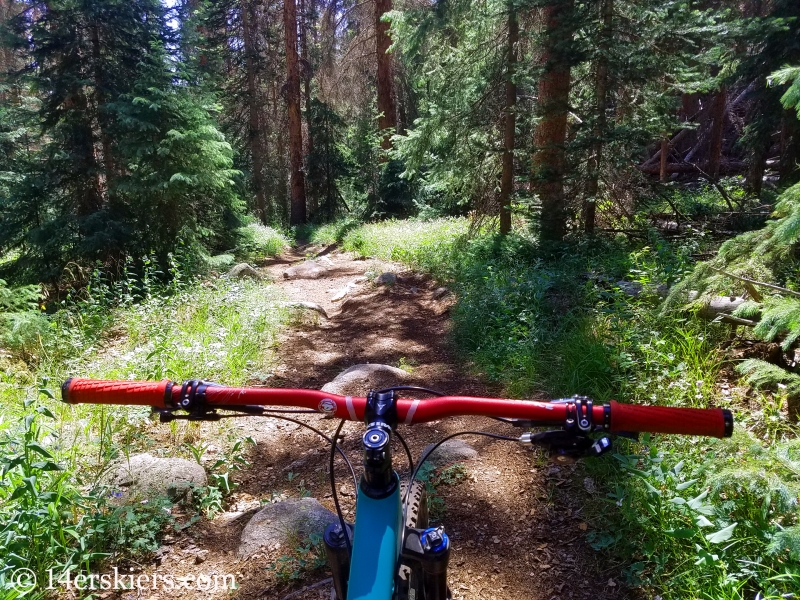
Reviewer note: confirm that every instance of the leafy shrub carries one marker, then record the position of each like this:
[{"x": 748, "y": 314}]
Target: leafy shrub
[
  {"x": 259, "y": 242},
  {"x": 21, "y": 323},
  {"x": 697, "y": 511}
]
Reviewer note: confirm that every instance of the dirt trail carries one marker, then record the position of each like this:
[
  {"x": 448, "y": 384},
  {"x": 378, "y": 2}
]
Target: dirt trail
[{"x": 515, "y": 532}]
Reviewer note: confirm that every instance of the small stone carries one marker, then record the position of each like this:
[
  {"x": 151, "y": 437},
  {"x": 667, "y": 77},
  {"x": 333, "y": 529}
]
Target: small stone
[
  {"x": 243, "y": 271},
  {"x": 439, "y": 293},
  {"x": 386, "y": 279},
  {"x": 310, "y": 306},
  {"x": 630, "y": 288},
  {"x": 200, "y": 557}
]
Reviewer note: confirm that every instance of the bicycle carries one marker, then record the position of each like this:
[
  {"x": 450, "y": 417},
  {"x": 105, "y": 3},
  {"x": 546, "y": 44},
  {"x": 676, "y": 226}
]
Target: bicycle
[{"x": 390, "y": 552}]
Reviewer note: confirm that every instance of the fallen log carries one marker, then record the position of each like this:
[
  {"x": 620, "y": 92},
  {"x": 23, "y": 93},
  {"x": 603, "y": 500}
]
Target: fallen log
[{"x": 721, "y": 305}]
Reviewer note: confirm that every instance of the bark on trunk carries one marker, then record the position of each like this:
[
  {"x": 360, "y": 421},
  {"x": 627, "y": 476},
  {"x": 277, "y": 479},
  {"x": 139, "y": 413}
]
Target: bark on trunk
[
  {"x": 313, "y": 200},
  {"x": 297, "y": 213},
  {"x": 717, "y": 131},
  {"x": 663, "y": 175},
  {"x": 254, "y": 137},
  {"x": 549, "y": 160},
  {"x": 601, "y": 87},
  {"x": 387, "y": 118},
  {"x": 281, "y": 191},
  {"x": 100, "y": 101},
  {"x": 507, "y": 179}
]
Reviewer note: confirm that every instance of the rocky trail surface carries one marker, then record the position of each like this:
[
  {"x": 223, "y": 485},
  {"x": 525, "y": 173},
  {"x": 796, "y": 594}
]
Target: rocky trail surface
[{"x": 515, "y": 530}]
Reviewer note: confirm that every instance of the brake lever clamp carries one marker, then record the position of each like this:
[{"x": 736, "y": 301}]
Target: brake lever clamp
[{"x": 579, "y": 414}]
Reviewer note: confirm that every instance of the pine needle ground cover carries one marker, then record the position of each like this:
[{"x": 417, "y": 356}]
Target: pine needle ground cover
[{"x": 692, "y": 517}]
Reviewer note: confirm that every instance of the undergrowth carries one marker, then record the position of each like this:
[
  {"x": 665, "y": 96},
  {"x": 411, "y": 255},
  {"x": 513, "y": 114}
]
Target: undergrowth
[
  {"x": 55, "y": 511},
  {"x": 693, "y": 517}
]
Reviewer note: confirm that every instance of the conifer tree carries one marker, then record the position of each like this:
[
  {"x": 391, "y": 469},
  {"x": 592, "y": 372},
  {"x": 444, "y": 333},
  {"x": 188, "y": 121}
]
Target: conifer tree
[{"x": 129, "y": 160}]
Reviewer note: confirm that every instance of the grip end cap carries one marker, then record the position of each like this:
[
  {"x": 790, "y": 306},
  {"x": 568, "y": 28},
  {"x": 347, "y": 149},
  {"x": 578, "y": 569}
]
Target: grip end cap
[
  {"x": 65, "y": 390},
  {"x": 727, "y": 418}
]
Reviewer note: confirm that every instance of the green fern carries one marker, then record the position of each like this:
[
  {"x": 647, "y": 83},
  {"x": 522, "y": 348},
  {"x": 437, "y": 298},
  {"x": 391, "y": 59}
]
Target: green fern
[
  {"x": 19, "y": 299},
  {"x": 748, "y": 310},
  {"x": 786, "y": 540},
  {"x": 779, "y": 317},
  {"x": 791, "y": 99},
  {"x": 761, "y": 374}
]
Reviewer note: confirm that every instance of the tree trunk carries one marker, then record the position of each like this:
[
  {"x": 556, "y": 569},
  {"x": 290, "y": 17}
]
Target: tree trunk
[
  {"x": 297, "y": 214},
  {"x": 387, "y": 117},
  {"x": 549, "y": 160},
  {"x": 789, "y": 147},
  {"x": 281, "y": 191},
  {"x": 254, "y": 135},
  {"x": 313, "y": 200},
  {"x": 717, "y": 131},
  {"x": 601, "y": 87},
  {"x": 690, "y": 107},
  {"x": 507, "y": 179},
  {"x": 100, "y": 101},
  {"x": 662, "y": 173}
]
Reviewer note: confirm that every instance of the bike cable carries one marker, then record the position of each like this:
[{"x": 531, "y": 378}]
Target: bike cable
[
  {"x": 322, "y": 435},
  {"x": 408, "y": 455},
  {"x": 334, "y": 446},
  {"x": 442, "y": 441}
]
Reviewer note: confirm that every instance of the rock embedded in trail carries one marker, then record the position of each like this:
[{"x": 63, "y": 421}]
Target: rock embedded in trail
[
  {"x": 359, "y": 379},
  {"x": 309, "y": 306},
  {"x": 282, "y": 522},
  {"x": 449, "y": 452},
  {"x": 386, "y": 279},
  {"x": 308, "y": 269},
  {"x": 242, "y": 271},
  {"x": 439, "y": 293},
  {"x": 146, "y": 476}
]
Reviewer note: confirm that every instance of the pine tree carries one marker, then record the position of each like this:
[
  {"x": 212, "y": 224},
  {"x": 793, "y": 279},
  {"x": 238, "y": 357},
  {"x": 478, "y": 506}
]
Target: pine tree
[
  {"x": 129, "y": 160},
  {"x": 298, "y": 205}
]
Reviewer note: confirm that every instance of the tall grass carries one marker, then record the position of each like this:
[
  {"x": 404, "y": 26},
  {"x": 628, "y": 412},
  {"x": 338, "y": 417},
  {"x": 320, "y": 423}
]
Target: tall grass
[{"x": 54, "y": 512}]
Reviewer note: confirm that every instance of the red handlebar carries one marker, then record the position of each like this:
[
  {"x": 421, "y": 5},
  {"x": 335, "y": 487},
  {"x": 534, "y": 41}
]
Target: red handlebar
[{"x": 618, "y": 417}]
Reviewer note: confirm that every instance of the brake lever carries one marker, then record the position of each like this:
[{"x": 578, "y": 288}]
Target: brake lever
[
  {"x": 209, "y": 414},
  {"x": 565, "y": 443}
]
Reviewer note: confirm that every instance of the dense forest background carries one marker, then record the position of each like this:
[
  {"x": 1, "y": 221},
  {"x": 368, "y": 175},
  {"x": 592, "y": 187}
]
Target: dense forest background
[
  {"x": 609, "y": 188},
  {"x": 147, "y": 128}
]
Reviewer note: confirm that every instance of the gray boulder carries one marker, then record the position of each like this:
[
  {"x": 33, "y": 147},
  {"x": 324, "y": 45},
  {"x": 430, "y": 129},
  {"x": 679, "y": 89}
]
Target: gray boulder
[
  {"x": 449, "y": 452},
  {"x": 359, "y": 379},
  {"x": 146, "y": 476},
  {"x": 307, "y": 269},
  {"x": 242, "y": 271},
  {"x": 280, "y": 523}
]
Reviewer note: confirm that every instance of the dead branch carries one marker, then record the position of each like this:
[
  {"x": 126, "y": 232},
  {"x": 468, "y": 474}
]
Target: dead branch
[{"x": 777, "y": 288}]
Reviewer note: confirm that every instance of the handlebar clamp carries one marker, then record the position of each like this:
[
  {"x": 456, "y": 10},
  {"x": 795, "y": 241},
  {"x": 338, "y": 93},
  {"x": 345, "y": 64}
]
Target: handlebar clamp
[{"x": 579, "y": 415}]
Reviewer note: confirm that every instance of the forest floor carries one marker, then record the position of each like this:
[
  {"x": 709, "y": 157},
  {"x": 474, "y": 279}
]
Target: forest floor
[{"x": 514, "y": 517}]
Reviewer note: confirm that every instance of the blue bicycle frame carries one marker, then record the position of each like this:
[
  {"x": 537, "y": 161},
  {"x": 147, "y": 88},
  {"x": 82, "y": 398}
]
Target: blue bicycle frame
[{"x": 376, "y": 547}]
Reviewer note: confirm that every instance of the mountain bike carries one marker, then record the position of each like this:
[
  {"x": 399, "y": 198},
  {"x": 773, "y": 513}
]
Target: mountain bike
[{"x": 390, "y": 552}]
